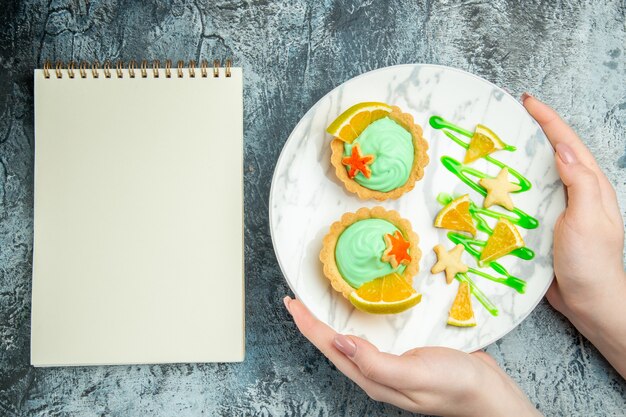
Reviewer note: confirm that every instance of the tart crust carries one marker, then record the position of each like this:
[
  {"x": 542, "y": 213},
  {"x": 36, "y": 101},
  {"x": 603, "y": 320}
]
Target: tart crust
[
  {"x": 420, "y": 160},
  {"x": 329, "y": 243}
]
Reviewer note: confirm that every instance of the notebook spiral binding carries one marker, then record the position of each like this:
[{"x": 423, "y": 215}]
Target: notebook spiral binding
[{"x": 132, "y": 70}]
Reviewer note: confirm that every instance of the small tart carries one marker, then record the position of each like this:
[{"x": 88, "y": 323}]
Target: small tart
[
  {"x": 420, "y": 160},
  {"x": 329, "y": 244}
]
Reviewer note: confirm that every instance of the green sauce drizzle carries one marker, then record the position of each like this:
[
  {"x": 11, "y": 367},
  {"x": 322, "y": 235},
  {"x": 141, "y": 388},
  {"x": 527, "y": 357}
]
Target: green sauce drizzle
[
  {"x": 480, "y": 296},
  {"x": 463, "y": 172},
  {"x": 438, "y": 122},
  {"x": 521, "y": 218},
  {"x": 509, "y": 280},
  {"x": 479, "y": 214}
]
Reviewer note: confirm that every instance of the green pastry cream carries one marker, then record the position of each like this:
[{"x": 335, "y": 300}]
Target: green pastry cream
[
  {"x": 359, "y": 249},
  {"x": 392, "y": 147}
]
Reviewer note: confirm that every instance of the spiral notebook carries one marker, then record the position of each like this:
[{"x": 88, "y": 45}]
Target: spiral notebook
[{"x": 138, "y": 214}]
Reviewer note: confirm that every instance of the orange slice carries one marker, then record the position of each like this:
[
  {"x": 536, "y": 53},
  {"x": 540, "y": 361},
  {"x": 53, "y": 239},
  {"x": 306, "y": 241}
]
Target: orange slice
[
  {"x": 505, "y": 238},
  {"x": 456, "y": 216},
  {"x": 352, "y": 122},
  {"x": 483, "y": 142},
  {"x": 389, "y": 294},
  {"x": 461, "y": 313}
]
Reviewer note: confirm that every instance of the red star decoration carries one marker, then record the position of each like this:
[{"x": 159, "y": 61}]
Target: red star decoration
[
  {"x": 358, "y": 163},
  {"x": 397, "y": 250}
]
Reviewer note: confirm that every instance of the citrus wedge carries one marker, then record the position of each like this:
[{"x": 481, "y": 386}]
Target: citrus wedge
[
  {"x": 352, "y": 122},
  {"x": 456, "y": 216},
  {"x": 483, "y": 142},
  {"x": 461, "y": 313},
  {"x": 505, "y": 238},
  {"x": 389, "y": 294}
]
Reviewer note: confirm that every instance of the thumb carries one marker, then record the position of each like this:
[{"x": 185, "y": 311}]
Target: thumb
[
  {"x": 583, "y": 188},
  {"x": 384, "y": 368},
  {"x": 554, "y": 296}
]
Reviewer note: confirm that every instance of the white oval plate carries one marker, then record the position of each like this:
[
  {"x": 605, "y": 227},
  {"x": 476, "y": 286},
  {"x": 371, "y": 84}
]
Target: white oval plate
[{"x": 306, "y": 197}]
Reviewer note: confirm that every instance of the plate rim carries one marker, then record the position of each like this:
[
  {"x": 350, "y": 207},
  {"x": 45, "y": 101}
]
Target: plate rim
[{"x": 481, "y": 346}]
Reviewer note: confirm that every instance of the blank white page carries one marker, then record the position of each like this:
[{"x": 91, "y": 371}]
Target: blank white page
[{"x": 138, "y": 227}]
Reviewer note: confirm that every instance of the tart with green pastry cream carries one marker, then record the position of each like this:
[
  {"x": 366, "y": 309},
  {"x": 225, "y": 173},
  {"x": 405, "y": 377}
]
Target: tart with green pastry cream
[
  {"x": 378, "y": 151},
  {"x": 371, "y": 257}
]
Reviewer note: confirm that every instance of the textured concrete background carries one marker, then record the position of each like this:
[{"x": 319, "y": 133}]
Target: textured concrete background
[{"x": 569, "y": 53}]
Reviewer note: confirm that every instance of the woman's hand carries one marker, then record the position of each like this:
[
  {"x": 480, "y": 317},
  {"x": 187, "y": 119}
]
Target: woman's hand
[
  {"x": 590, "y": 285},
  {"x": 438, "y": 381}
]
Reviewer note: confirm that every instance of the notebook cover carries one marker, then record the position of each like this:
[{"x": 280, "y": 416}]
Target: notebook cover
[{"x": 138, "y": 220}]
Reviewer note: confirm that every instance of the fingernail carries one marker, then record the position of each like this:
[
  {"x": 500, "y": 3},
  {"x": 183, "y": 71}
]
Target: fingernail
[
  {"x": 345, "y": 345},
  {"x": 566, "y": 153},
  {"x": 287, "y": 301},
  {"x": 525, "y": 95}
]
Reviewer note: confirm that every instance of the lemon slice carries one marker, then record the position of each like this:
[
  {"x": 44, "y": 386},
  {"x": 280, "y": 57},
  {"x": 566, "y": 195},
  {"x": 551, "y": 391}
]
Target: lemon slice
[
  {"x": 352, "y": 122},
  {"x": 484, "y": 141},
  {"x": 461, "y": 313},
  {"x": 389, "y": 294},
  {"x": 505, "y": 238},
  {"x": 456, "y": 216}
]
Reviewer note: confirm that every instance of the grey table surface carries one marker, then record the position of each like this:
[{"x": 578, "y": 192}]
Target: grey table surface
[{"x": 569, "y": 53}]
